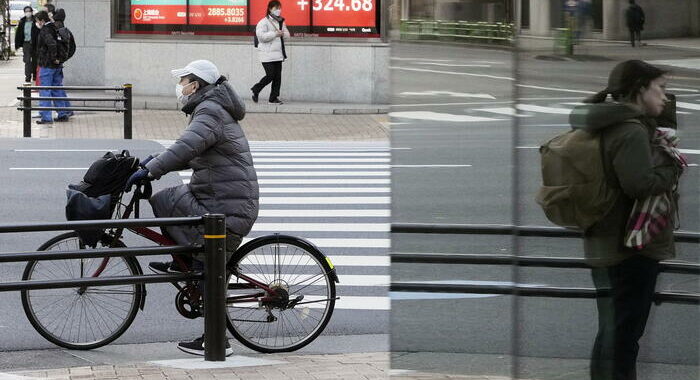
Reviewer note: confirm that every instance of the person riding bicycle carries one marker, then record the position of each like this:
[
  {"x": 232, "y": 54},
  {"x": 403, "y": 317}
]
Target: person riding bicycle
[{"x": 223, "y": 181}]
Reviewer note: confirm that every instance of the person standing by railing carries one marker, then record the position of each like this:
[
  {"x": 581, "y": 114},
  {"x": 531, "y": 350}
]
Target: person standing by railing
[
  {"x": 50, "y": 69},
  {"x": 637, "y": 162}
]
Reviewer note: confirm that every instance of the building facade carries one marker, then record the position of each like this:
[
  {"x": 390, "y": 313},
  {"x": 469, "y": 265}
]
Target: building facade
[
  {"x": 598, "y": 18},
  {"x": 336, "y": 54}
]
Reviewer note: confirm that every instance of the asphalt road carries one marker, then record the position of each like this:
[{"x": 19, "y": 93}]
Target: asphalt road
[
  {"x": 453, "y": 113},
  {"x": 349, "y": 222}
]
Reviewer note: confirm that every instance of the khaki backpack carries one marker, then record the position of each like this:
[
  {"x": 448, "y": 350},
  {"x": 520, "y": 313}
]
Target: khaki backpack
[{"x": 575, "y": 191}]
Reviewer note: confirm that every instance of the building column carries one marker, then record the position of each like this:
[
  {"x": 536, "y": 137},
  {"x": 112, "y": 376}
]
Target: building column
[
  {"x": 614, "y": 20},
  {"x": 540, "y": 17},
  {"x": 695, "y": 18}
]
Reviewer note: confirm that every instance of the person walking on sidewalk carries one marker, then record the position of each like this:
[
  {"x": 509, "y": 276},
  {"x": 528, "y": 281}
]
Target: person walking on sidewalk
[
  {"x": 223, "y": 181},
  {"x": 637, "y": 163},
  {"x": 635, "y": 22},
  {"x": 271, "y": 32},
  {"x": 25, "y": 38},
  {"x": 50, "y": 69}
]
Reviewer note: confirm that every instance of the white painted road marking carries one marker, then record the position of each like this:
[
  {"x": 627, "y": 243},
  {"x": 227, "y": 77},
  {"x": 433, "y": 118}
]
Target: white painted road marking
[
  {"x": 345, "y": 280},
  {"x": 345, "y": 243},
  {"x": 329, "y": 181},
  {"x": 509, "y": 111},
  {"x": 541, "y": 109},
  {"x": 435, "y": 116},
  {"x": 321, "y": 227},
  {"x": 383, "y": 213},
  {"x": 689, "y": 106},
  {"x": 324, "y": 200},
  {"x": 454, "y": 64},
  {"x": 311, "y": 167},
  {"x": 338, "y": 260},
  {"x": 448, "y": 93},
  {"x": 306, "y": 190},
  {"x": 323, "y": 159}
]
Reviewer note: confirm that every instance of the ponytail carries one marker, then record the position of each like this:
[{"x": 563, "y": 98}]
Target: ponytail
[{"x": 598, "y": 97}]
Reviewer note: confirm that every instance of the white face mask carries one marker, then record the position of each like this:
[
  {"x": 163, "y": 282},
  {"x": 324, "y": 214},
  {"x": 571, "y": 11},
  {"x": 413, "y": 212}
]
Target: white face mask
[
  {"x": 182, "y": 98},
  {"x": 38, "y": 25},
  {"x": 28, "y": 14},
  {"x": 277, "y": 12}
]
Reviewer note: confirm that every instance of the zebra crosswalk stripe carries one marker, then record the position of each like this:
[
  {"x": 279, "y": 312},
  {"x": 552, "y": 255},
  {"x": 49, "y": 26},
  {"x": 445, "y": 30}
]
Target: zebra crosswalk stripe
[{"x": 336, "y": 196}]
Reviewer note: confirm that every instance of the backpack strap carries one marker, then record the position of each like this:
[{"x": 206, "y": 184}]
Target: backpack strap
[{"x": 607, "y": 170}]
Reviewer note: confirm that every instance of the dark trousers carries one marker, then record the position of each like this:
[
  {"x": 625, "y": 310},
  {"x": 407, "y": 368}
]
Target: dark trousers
[
  {"x": 29, "y": 65},
  {"x": 622, "y": 316},
  {"x": 273, "y": 74},
  {"x": 636, "y": 35}
]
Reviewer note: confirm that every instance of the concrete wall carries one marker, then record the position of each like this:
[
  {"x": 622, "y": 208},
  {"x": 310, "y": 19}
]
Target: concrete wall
[
  {"x": 89, "y": 22},
  {"x": 317, "y": 71},
  {"x": 314, "y": 72}
]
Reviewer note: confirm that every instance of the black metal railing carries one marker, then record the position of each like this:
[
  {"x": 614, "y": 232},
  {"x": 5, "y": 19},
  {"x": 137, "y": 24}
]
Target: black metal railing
[
  {"x": 214, "y": 274},
  {"x": 126, "y": 101},
  {"x": 523, "y": 261}
]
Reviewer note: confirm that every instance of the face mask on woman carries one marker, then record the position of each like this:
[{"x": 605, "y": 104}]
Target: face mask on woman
[
  {"x": 277, "y": 12},
  {"x": 28, "y": 14},
  {"x": 182, "y": 98}
]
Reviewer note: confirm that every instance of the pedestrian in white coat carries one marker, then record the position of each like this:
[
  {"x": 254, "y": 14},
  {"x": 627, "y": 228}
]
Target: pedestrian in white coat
[{"x": 271, "y": 32}]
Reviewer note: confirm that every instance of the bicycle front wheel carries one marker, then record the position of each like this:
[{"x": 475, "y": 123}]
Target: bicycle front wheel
[
  {"x": 303, "y": 300},
  {"x": 81, "y": 318}
]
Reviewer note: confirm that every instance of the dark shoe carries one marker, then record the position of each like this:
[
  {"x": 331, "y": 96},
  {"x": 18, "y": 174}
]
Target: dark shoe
[
  {"x": 276, "y": 101},
  {"x": 255, "y": 95},
  {"x": 62, "y": 119},
  {"x": 196, "y": 347},
  {"x": 44, "y": 122},
  {"x": 166, "y": 267}
]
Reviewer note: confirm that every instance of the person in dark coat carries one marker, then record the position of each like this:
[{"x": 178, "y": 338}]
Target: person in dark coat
[
  {"x": 627, "y": 127},
  {"x": 26, "y": 36},
  {"x": 635, "y": 22},
  {"x": 223, "y": 180},
  {"x": 50, "y": 69}
]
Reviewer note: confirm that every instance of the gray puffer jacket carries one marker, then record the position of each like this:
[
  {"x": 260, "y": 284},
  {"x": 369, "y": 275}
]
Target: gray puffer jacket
[{"x": 223, "y": 179}]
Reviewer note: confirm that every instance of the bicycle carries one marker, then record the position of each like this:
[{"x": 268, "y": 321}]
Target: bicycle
[{"x": 280, "y": 297}]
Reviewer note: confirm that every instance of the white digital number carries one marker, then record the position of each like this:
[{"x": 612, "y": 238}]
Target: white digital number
[
  {"x": 367, "y": 5},
  {"x": 318, "y": 5}
]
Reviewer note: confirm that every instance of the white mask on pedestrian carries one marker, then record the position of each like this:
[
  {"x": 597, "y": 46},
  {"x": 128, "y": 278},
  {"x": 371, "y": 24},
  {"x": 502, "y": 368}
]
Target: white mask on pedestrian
[
  {"x": 28, "y": 14},
  {"x": 277, "y": 12},
  {"x": 38, "y": 25},
  {"x": 182, "y": 98}
]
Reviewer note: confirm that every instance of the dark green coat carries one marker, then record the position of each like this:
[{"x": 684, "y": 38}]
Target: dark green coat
[{"x": 627, "y": 156}]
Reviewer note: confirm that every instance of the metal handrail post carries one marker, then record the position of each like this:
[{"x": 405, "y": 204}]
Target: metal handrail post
[
  {"x": 215, "y": 287},
  {"x": 127, "y": 111},
  {"x": 27, "y": 112}
]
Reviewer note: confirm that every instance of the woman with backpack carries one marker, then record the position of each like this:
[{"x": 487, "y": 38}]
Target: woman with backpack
[
  {"x": 223, "y": 181},
  {"x": 271, "y": 32},
  {"x": 626, "y": 245}
]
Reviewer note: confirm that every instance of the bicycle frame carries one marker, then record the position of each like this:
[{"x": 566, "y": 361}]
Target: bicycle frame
[{"x": 160, "y": 239}]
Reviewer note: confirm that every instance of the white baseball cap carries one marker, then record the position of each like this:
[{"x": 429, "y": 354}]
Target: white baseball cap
[{"x": 202, "y": 68}]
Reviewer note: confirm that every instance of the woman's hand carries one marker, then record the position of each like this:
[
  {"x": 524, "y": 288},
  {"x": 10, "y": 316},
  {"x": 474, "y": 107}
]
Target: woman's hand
[{"x": 138, "y": 176}]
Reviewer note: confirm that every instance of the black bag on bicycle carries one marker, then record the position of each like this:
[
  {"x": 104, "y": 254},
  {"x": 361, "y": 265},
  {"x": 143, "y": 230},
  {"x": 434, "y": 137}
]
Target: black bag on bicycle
[
  {"x": 96, "y": 196},
  {"x": 108, "y": 175}
]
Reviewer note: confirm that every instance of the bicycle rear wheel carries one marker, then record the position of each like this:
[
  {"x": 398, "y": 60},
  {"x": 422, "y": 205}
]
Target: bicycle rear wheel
[
  {"x": 81, "y": 318},
  {"x": 304, "y": 282}
]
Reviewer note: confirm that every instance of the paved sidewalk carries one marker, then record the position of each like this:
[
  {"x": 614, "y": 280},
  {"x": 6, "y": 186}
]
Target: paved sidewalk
[
  {"x": 281, "y": 366},
  {"x": 165, "y": 125},
  {"x": 354, "y": 366}
]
